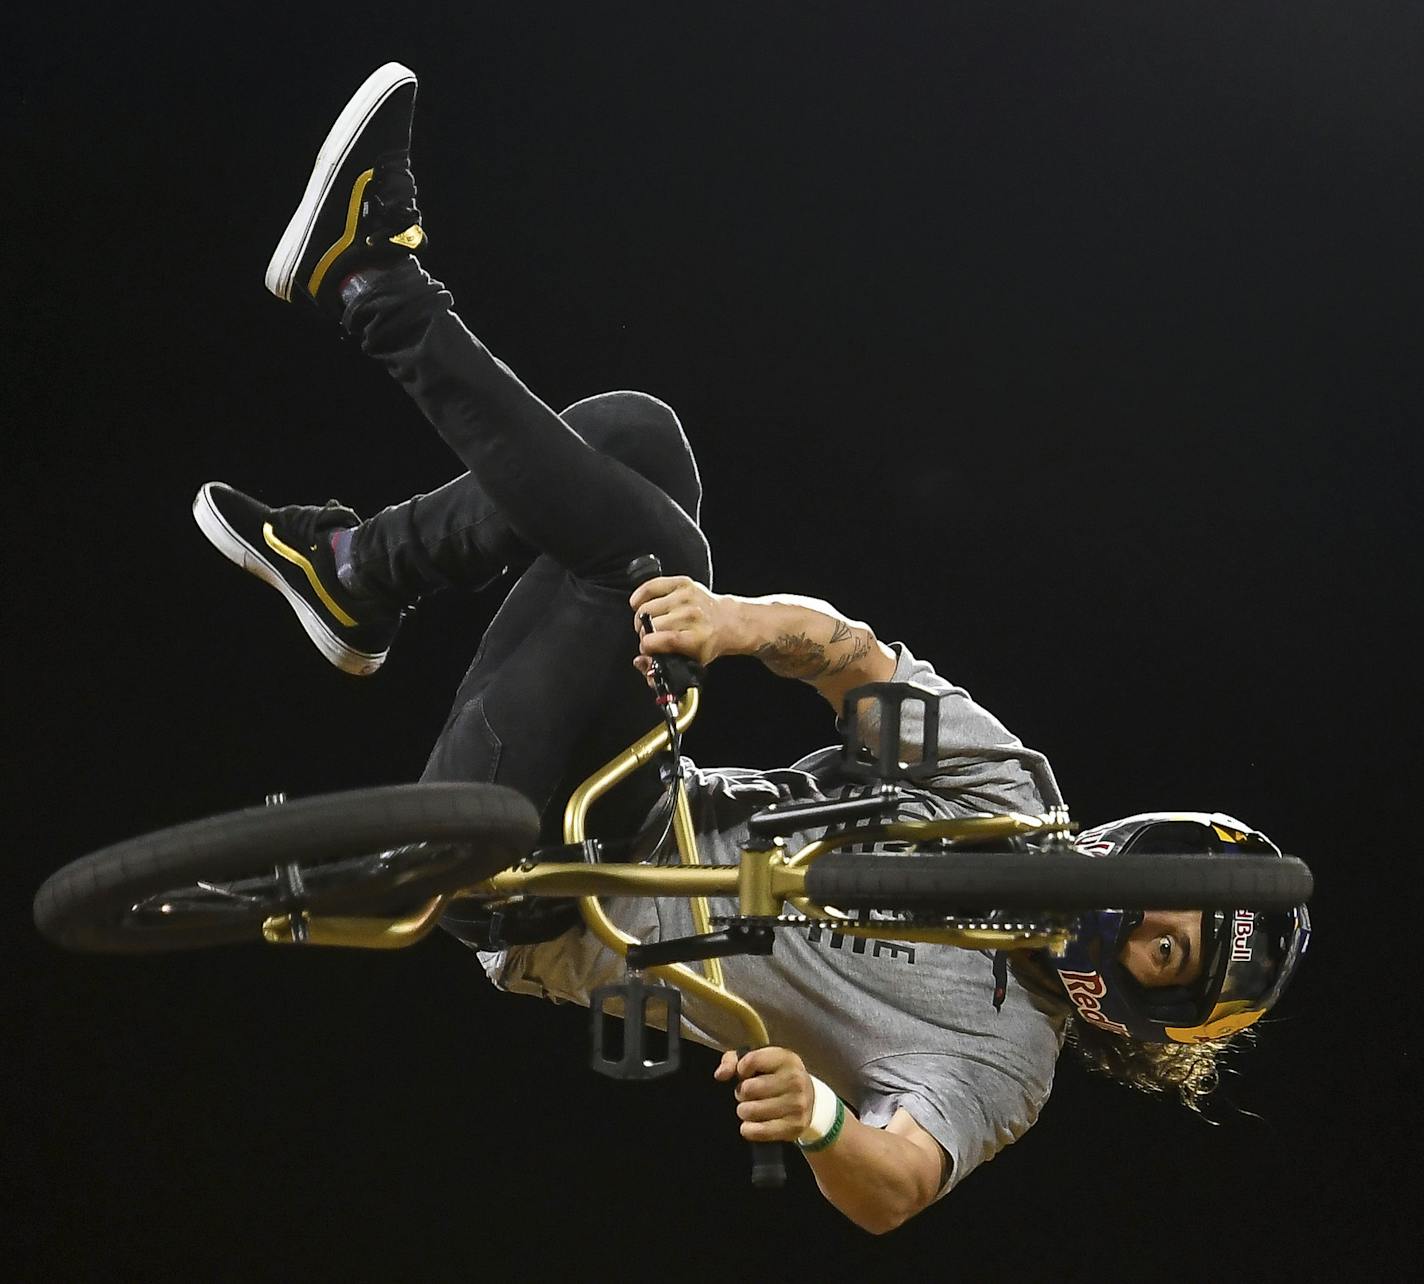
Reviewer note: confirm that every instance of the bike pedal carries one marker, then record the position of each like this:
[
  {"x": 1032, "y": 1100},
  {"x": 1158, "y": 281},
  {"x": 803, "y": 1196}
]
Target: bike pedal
[{"x": 636, "y": 1058}]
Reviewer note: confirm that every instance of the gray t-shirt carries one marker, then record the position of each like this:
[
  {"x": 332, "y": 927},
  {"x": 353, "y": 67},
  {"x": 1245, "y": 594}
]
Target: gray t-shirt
[{"x": 886, "y": 1024}]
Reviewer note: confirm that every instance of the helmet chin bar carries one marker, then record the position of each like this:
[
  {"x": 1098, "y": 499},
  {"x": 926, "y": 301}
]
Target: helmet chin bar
[
  {"x": 1232, "y": 1013},
  {"x": 1217, "y": 1027}
]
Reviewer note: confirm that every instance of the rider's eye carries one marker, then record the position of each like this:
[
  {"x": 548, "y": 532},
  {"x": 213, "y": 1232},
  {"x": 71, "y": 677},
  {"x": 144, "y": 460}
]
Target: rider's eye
[{"x": 1164, "y": 949}]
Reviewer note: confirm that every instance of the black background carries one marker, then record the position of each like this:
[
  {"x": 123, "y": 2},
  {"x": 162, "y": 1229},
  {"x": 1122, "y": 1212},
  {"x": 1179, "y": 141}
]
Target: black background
[{"x": 1067, "y": 343}]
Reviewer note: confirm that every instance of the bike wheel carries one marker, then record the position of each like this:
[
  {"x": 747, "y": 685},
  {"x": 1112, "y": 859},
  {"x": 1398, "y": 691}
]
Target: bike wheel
[
  {"x": 955, "y": 881},
  {"x": 214, "y": 881}
]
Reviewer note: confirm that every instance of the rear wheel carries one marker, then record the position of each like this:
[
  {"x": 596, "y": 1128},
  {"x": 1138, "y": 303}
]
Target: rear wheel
[
  {"x": 214, "y": 881},
  {"x": 956, "y": 882}
]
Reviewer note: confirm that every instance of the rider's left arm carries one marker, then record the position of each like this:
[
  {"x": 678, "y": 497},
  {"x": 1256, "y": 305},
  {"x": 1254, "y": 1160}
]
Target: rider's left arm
[
  {"x": 795, "y": 637},
  {"x": 878, "y": 1177}
]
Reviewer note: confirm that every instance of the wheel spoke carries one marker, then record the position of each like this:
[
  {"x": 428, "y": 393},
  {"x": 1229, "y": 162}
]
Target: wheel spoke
[
  {"x": 218, "y": 890},
  {"x": 291, "y": 885}
]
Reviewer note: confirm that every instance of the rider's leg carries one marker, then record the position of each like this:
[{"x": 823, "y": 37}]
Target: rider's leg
[
  {"x": 456, "y": 536},
  {"x": 349, "y": 580},
  {"x": 550, "y": 696},
  {"x": 588, "y": 511},
  {"x": 555, "y": 667},
  {"x": 552, "y": 692}
]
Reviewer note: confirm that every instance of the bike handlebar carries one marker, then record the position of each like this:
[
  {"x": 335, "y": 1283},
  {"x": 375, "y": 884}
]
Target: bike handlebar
[{"x": 672, "y": 676}]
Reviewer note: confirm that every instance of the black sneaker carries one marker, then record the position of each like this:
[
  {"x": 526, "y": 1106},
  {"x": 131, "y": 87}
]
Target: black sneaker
[
  {"x": 290, "y": 549},
  {"x": 359, "y": 206}
]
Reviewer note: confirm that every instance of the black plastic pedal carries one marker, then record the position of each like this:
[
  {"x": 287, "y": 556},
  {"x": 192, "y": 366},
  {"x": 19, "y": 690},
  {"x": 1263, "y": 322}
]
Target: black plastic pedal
[
  {"x": 635, "y": 1061},
  {"x": 893, "y": 700}
]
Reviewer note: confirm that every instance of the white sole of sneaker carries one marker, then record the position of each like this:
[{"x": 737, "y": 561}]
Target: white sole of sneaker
[
  {"x": 238, "y": 551},
  {"x": 378, "y": 86}
]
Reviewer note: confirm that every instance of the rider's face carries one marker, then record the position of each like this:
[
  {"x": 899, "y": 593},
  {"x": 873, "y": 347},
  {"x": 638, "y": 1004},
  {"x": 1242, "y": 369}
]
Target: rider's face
[{"x": 1165, "y": 948}]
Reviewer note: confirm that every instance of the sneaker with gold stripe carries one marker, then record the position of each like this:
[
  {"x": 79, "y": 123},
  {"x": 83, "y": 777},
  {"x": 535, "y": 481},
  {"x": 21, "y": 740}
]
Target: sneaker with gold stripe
[
  {"x": 290, "y": 549},
  {"x": 359, "y": 205}
]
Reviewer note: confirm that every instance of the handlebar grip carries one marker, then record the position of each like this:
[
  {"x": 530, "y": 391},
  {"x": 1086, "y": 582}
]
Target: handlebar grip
[
  {"x": 643, "y": 568},
  {"x": 768, "y": 1158},
  {"x": 768, "y": 1165},
  {"x": 673, "y": 675}
]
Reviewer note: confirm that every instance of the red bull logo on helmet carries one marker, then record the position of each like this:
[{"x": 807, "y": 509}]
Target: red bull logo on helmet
[
  {"x": 1243, "y": 925},
  {"x": 1094, "y": 843},
  {"x": 1086, "y": 989}
]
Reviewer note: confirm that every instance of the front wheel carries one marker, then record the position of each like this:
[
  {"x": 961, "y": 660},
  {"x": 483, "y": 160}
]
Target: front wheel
[
  {"x": 214, "y": 881},
  {"x": 949, "y": 882}
]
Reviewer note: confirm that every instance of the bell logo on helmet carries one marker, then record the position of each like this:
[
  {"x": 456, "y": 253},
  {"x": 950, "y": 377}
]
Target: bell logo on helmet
[
  {"x": 1242, "y": 927},
  {"x": 1085, "y": 989}
]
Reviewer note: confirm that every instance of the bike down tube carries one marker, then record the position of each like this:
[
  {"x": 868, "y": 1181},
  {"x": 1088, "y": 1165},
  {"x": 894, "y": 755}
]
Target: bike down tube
[
  {"x": 552, "y": 878},
  {"x": 575, "y": 818}
]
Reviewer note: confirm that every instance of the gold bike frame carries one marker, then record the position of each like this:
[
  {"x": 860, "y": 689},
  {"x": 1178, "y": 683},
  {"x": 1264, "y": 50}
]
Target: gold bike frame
[{"x": 762, "y": 881}]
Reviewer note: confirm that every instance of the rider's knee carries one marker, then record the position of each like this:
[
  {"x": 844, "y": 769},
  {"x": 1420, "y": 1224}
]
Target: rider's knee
[{"x": 644, "y": 433}]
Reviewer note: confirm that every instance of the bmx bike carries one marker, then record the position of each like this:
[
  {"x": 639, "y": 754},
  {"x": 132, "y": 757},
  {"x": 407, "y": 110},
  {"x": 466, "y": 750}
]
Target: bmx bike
[{"x": 377, "y": 868}]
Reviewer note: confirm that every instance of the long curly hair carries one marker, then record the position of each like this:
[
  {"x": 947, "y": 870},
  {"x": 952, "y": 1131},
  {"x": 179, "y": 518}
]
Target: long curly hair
[{"x": 1191, "y": 1072}]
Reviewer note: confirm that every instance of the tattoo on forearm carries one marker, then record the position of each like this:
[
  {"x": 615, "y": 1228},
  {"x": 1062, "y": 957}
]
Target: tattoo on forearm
[
  {"x": 794, "y": 655},
  {"x": 856, "y": 650}
]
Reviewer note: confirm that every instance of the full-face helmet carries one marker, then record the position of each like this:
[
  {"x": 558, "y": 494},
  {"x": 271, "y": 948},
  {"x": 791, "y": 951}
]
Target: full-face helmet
[{"x": 1248, "y": 957}]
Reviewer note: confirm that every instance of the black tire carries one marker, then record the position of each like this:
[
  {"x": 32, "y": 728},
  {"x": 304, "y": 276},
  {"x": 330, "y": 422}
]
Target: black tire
[
  {"x": 474, "y": 830},
  {"x": 954, "y": 882}
]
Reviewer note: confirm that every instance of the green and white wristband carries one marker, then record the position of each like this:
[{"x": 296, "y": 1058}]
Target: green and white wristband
[{"x": 828, "y": 1115}]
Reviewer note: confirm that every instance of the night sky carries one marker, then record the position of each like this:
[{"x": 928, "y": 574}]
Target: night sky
[{"x": 1066, "y": 343}]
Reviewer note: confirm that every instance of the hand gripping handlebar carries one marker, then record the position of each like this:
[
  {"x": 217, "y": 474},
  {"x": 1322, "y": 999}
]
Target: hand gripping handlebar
[{"x": 672, "y": 675}]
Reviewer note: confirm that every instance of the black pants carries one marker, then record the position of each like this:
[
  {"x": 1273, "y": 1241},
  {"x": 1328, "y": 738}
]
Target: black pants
[{"x": 568, "y": 499}]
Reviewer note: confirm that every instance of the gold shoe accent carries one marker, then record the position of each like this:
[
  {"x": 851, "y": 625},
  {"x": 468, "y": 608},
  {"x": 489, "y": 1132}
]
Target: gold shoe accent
[
  {"x": 291, "y": 555},
  {"x": 411, "y": 239},
  {"x": 343, "y": 243}
]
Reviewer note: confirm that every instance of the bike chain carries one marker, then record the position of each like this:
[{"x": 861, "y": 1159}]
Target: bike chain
[{"x": 886, "y": 924}]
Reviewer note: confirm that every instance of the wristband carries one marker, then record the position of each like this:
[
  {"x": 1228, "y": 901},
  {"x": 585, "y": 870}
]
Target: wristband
[{"x": 827, "y": 1119}]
